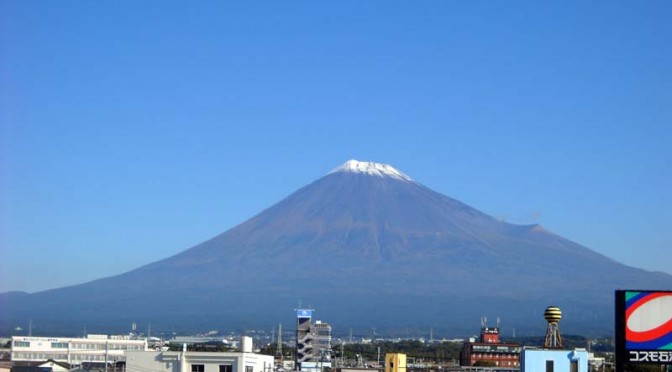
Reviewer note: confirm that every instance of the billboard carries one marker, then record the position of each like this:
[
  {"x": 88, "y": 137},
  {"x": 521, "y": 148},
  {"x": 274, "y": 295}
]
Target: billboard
[{"x": 643, "y": 326}]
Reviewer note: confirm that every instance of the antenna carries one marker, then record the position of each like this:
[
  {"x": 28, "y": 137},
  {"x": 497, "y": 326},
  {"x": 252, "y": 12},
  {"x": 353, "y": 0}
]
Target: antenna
[
  {"x": 279, "y": 349},
  {"x": 484, "y": 322},
  {"x": 498, "y": 322}
]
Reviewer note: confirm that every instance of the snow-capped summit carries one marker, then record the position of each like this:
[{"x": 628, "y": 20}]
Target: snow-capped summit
[{"x": 371, "y": 168}]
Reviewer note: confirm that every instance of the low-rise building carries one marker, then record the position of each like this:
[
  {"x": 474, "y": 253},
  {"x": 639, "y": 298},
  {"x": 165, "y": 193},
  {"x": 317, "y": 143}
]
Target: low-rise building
[
  {"x": 94, "y": 348},
  {"x": 554, "y": 360},
  {"x": 395, "y": 362},
  {"x": 489, "y": 351},
  {"x": 192, "y": 361},
  {"x": 47, "y": 366}
]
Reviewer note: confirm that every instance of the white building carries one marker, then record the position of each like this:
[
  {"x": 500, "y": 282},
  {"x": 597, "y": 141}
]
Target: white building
[
  {"x": 94, "y": 348},
  {"x": 547, "y": 360},
  {"x": 191, "y": 361}
]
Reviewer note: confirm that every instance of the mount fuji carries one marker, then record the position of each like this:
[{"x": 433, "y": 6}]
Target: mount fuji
[{"x": 365, "y": 245}]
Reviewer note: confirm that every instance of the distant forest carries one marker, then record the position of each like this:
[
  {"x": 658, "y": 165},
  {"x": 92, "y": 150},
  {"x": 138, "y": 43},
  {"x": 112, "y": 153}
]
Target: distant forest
[{"x": 439, "y": 352}]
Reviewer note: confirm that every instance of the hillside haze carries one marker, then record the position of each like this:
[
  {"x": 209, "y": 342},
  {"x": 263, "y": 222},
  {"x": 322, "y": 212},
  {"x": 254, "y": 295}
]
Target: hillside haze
[{"x": 365, "y": 245}]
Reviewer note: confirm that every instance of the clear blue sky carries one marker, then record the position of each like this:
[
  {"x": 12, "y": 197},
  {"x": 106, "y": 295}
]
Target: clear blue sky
[{"x": 132, "y": 130}]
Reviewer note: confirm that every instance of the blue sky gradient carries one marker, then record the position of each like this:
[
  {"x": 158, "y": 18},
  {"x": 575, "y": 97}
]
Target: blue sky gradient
[{"x": 130, "y": 131}]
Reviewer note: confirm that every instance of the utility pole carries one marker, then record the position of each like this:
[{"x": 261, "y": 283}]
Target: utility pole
[{"x": 342, "y": 353}]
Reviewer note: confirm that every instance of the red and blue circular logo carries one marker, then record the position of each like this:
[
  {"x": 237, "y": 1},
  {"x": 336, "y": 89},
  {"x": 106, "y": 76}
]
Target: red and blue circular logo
[{"x": 648, "y": 320}]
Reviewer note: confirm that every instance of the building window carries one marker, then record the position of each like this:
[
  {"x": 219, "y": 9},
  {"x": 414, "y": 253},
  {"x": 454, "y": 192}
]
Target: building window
[
  {"x": 549, "y": 366},
  {"x": 197, "y": 368},
  {"x": 249, "y": 368},
  {"x": 225, "y": 368},
  {"x": 59, "y": 345},
  {"x": 21, "y": 344},
  {"x": 574, "y": 366}
]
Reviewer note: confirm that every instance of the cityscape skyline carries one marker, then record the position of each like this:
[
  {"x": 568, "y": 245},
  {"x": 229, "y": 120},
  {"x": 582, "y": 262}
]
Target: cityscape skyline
[{"x": 130, "y": 133}]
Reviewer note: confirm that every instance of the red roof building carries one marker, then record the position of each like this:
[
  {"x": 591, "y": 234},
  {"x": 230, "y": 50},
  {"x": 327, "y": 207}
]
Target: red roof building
[{"x": 489, "y": 351}]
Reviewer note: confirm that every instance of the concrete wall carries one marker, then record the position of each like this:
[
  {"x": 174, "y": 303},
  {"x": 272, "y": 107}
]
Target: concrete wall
[
  {"x": 173, "y": 361},
  {"x": 535, "y": 360},
  {"x": 395, "y": 362}
]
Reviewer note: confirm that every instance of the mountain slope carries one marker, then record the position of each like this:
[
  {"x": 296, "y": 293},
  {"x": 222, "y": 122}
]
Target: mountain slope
[{"x": 368, "y": 245}]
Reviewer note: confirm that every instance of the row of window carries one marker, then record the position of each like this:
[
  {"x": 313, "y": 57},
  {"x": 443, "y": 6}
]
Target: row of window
[
  {"x": 38, "y": 356},
  {"x": 573, "y": 366},
  {"x": 222, "y": 368},
  {"x": 85, "y": 346},
  {"x": 101, "y": 346},
  {"x": 87, "y": 358},
  {"x": 496, "y": 356},
  {"x": 64, "y": 357},
  {"x": 496, "y": 349}
]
